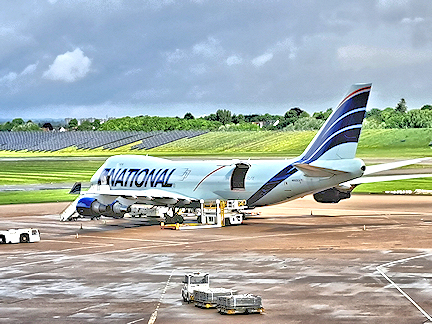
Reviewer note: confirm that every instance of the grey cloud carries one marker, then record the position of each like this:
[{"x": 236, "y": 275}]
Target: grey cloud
[
  {"x": 360, "y": 57},
  {"x": 207, "y": 54}
]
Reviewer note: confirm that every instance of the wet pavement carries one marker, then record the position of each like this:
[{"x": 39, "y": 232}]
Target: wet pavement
[{"x": 309, "y": 262}]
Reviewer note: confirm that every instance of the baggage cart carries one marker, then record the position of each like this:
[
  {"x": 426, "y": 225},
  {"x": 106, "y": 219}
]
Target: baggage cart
[
  {"x": 208, "y": 298},
  {"x": 240, "y": 304}
]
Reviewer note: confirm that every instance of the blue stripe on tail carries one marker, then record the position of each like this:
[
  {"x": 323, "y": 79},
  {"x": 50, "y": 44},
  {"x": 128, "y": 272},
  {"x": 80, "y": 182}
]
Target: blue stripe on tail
[
  {"x": 273, "y": 182},
  {"x": 338, "y": 127}
]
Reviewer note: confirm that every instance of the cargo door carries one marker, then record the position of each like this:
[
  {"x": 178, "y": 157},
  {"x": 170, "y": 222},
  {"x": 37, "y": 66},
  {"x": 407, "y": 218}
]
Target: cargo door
[{"x": 238, "y": 176}]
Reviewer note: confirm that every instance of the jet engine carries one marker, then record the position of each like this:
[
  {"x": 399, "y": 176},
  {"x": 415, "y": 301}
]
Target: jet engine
[
  {"x": 331, "y": 195},
  {"x": 91, "y": 207}
]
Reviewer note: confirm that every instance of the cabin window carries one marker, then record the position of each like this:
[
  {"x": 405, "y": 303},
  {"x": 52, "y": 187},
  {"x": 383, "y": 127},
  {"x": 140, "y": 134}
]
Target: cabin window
[{"x": 238, "y": 176}]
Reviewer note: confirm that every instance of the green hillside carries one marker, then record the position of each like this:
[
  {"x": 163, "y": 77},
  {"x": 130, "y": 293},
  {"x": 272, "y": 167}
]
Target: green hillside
[
  {"x": 244, "y": 143},
  {"x": 412, "y": 142},
  {"x": 390, "y": 143},
  {"x": 374, "y": 143}
]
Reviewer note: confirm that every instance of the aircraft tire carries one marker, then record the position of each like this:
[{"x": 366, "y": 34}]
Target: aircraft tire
[
  {"x": 178, "y": 219},
  {"x": 2, "y": 239},
  {"x": 169, "y": 219}
]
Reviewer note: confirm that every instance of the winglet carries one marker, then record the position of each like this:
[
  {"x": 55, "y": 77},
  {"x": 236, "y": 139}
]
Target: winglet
[{"x": 76, "y": 189}]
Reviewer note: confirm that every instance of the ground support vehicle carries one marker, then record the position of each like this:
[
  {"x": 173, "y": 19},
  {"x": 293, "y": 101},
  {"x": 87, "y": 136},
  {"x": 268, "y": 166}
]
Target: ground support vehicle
[
  {"x": 233, "y": 219},
  {"x": 240, "y": 304},
  {"x": 139, "y": 210},
  {"x": 208, "y": 298},
  {"x": 23, "y": 235},
  {"x": 192, "y": 282}
]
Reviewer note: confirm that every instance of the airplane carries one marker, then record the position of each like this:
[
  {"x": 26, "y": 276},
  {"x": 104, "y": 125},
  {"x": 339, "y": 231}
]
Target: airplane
[{"x": 327, "y": 168}]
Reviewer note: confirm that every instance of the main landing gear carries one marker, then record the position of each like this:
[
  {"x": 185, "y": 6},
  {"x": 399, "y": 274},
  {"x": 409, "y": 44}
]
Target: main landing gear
[{"x": 173, "y": 217}]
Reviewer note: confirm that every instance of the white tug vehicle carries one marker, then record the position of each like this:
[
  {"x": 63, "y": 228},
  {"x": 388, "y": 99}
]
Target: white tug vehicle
[
  {"x": 23, "y": 235},
  {"x": 192, "y": 282}
]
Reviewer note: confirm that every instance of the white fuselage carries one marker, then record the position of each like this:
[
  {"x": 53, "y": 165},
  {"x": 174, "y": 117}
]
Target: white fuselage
[{"x": 211, "y": 179}]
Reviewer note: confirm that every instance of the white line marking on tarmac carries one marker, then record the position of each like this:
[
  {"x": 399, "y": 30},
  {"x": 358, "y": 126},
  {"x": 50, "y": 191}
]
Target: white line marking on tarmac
[
  {"x": 350, "y": 209},
  {"x": 209, "y": 241},
  {"x": 90, "y": 307},
  {"x": 159, "y": 244},
  {"x": 406, "y": 259},
  {"x": 154, "y": 315},
  {"x": 136, "y": 321},
  {"x": 129, "y": 239},
  {"x": 52, "y": 260},
  {"x": 400, "y": 289}
]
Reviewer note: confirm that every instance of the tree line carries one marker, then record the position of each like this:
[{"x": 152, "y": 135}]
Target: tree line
[{"x": 225, "y": 120}]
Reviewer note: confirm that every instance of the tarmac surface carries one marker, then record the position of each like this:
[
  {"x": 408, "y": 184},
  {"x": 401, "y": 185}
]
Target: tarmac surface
[{"x": 310, "y": 263}]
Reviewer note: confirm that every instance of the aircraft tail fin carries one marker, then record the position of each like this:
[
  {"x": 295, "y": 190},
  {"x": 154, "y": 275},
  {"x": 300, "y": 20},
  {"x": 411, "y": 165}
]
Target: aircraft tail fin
[{"x": 338, "y": 137}]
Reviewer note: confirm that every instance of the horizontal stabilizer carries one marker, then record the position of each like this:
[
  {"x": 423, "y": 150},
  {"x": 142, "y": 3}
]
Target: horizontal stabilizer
[{"x": 314, "y": 171}]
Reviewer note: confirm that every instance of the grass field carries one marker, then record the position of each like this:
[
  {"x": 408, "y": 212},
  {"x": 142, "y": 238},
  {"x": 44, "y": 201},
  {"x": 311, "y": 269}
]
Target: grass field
[
  {"x": 21, "y": 168},
  {"x": 35, "y": 196},
  {"x": 61, "y": 195},
  {"x": 408, "y": 184},
  {"x": 374, "y": 143},
  {"x": 36, "y": 171}
]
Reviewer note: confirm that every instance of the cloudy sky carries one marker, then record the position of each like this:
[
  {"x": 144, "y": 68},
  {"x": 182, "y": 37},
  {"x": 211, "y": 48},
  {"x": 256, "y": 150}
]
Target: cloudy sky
[{"x": 79, "y": 58}]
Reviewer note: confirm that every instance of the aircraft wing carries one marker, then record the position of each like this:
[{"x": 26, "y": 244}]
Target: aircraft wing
[
  {"x": 384, "y": 167},
  {"x": 150, "y": 196},
  {"x": 362, "y": 180},
  {"x": 343, "y": 190},
  {"x": 155, "y": 197},
  {"x": 392, "y": 165}
]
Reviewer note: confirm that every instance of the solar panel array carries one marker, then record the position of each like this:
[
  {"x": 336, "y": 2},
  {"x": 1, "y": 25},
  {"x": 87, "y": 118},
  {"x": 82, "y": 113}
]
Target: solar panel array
[{"x": 88, "y": 140}]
